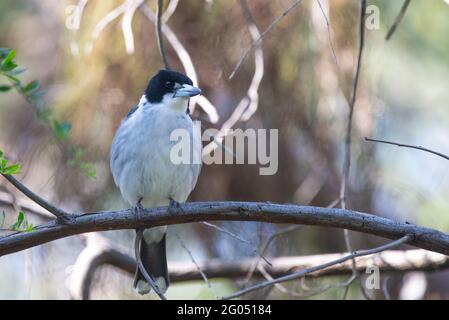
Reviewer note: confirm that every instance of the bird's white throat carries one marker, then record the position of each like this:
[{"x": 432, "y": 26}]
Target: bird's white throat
[{"x": 179, "y": 104}]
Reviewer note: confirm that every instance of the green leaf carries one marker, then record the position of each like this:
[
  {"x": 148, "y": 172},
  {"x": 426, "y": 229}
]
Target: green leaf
[
  {"x": 8, "y": 66},
  {"x": 13, "y": 78},
  {"x": 17, "y": 71},
  {"x": 4, "y": 88},
  {"x": 16, "y": 226},
  {"x": 62, "y": 130},
  {"x": 31, "y": 87},
  {"x": 10, "y": 56},
  {"x": 12, "y": 169},
  {"x": 88, "y": 169}
]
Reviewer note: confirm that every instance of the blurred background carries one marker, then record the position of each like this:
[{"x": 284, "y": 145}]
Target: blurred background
[{"x": 91, "y": 77}]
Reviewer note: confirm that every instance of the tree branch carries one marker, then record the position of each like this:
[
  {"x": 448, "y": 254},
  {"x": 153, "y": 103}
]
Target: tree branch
[
  {"x": 304, "y": 272},
  {"x": 424, "y": 238},
  {"x": 94, "y": 256},
  {"x": 160, "y": 40},
  {"x": 256, "y": 42},
  {"x": 408, "y": 146},
  {"x": 348, "y": 138},
  {"x": 398, "y": 19},
  {"x": 59, "y": 213}
]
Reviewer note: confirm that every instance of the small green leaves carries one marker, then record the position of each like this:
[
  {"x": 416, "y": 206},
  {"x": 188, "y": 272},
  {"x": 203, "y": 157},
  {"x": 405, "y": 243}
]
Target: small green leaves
[
  {"x": 88, "y": 169},
  {"x": 8, "y": 63},
  {"x": 61, "y": 129},
  {"x": 31, "y": 87},
  {"x": 33, "y": 94},
  {"x": 22, "y": 224},
  {"x": 8, "y": 169}
]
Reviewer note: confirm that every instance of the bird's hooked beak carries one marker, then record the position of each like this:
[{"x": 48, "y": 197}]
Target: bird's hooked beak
[{"x": 186, "y": 91}]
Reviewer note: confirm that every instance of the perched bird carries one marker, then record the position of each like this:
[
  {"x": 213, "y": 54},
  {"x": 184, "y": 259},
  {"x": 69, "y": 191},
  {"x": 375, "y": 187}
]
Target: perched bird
[{"x": 143, "y": 170}]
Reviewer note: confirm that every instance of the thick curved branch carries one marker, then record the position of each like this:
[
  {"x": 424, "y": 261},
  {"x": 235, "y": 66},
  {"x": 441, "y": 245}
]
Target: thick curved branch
[{"x": 424, "y": 238}]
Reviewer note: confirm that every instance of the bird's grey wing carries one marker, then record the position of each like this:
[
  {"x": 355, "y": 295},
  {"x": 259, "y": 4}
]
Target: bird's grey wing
[
  {"x": 133, "y": 109},
  {"x": 116, "y": 147}
]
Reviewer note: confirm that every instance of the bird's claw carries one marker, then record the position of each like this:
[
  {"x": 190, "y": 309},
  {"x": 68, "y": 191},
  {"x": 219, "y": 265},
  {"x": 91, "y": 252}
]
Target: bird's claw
[
  {"x": 138, "y": 209},
  {"x": 174, "y": 207}
]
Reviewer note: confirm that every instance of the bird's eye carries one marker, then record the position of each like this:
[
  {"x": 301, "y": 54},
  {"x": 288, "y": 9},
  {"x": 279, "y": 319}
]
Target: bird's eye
[{"x": 169, "y": 84}]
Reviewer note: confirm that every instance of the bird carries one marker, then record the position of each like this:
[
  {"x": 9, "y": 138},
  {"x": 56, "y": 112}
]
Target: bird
[{"x": 143, "y": 170}]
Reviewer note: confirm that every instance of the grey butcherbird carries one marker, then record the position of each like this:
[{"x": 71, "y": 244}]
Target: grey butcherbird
[{"x": 142, "y": 168}]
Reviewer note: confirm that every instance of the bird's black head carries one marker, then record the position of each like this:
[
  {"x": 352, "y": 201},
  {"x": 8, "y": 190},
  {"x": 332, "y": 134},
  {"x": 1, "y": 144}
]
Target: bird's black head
[{"x": 167, "y": 81}]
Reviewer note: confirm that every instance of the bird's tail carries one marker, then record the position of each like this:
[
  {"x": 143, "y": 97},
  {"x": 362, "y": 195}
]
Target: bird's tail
[{"x": 154, "y": 259}]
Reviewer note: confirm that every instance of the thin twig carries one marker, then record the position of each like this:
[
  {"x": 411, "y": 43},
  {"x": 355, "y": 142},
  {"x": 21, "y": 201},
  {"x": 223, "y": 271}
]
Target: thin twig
[
  {"x": 233, "y": 235},
  {"x": 148, "y": 278},
  {"x": 328, "y": 31},
  {"x": 127, "y": 24},
  {"x": 248, "y": 105},
  {"x": 408, "y": 146},
  {"x": 304, "y": 272},
  {"x": 171, "y": 8},
  {"x": 160, "y": 40},
  {"x": 348, "y": 139},
  {"x": 192, "y": 258},
  {"x": 256, "y": 42},
  {"x": 397, "y": 20},
  {"x": 104, "y": 22},
  {"x": 265, "y": 247},
  {"x": 59, "y": 213}
]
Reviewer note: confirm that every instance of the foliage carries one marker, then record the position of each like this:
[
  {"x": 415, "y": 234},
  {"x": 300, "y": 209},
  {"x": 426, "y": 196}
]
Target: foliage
[
  {"x": 33, "y": 94},
  {"x": 21, "y": 224},
  {"x": 8, "y": 169}
]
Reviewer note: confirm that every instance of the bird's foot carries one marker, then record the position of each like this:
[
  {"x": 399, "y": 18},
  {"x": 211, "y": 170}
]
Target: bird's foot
[
  {"x": 138, "y": 209},
  {"x": 174, "y": 207}
]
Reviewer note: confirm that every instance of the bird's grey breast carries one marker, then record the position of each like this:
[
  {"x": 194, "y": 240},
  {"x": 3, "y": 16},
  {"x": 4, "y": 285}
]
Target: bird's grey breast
[{"x": 140, "y": 157}]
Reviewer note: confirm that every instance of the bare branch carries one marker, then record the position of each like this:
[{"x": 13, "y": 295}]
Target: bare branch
[
  {"x": 329, "y": 36},
  {"x": 248, "y": 105},
  {"x": 348, "y": 139},
  {"x": 59, "y": 213},
  {"x": 160, "y": 40},
  {"x": 233, "y": 235},
  {"x": 198, "y": 267},
  {"x": 256, "y": 42},
  {"x": 27, "y": 206},
  {"x": 127, "y": 20},
  {"x": 302, "y": 273},
  {"x": 409, "y": 146},
  {"x": 424, "y": 238},
  {"x": 171, "y": 8},
  {"x": 104, "y": 22},
  {"x": 103, "y": 253},
  {"x": 265, "y": 247},
  {"x": 397, "y": 20}
]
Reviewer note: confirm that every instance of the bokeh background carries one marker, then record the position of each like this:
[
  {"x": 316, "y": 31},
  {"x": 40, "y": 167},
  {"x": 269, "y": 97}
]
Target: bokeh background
[{"x": 403, "y": 96}]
